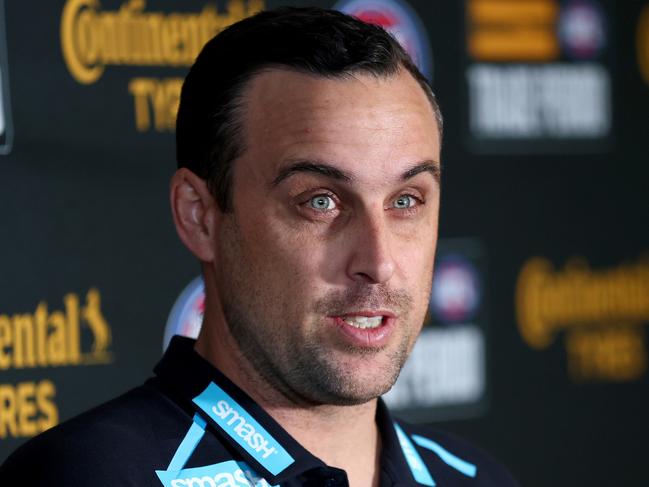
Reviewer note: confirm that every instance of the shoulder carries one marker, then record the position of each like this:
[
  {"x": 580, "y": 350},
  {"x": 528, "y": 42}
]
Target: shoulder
[
  {"x": 456, "y": 461},
  {"x": 126, "y": 435}
]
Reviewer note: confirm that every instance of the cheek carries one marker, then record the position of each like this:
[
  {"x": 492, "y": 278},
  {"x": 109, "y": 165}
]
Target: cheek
[
  {"x": 288, "y": 259},
  {"x": 417, "y": 271},
  {"x": 416, "y": 254}
]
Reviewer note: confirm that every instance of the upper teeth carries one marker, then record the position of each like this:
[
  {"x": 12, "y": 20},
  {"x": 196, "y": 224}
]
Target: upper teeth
[{"x": 363, "y": 321}]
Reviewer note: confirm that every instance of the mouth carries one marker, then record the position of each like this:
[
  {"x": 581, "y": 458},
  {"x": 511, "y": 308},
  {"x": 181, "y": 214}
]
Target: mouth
[
  {"x": 363, "y": 322},
  {"x": 365, "y": 329}
]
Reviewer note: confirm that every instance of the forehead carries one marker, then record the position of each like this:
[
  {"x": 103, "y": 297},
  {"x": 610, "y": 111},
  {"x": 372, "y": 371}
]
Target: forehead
[{"x": 358, "y": 122}]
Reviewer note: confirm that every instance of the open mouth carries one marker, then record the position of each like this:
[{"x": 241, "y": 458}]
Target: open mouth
[
  {"x": 363, "y": 322},
  {"x": 366, "y": 329}
]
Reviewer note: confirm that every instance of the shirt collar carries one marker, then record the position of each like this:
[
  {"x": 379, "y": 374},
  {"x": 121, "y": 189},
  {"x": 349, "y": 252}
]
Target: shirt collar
[
  {"x": 393, "y": 462},
  {"x": 183, "y": 374}
]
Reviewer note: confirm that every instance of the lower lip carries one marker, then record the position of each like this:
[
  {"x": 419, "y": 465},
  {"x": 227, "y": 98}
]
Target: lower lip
[{"x": 366, "y": 337}]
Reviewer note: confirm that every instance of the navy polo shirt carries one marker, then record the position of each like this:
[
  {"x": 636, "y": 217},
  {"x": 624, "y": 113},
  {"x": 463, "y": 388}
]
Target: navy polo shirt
[{"x": 189, "y": 426}]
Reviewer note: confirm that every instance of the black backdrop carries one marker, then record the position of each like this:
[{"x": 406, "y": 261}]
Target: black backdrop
[{"x": 557, "y": 205}]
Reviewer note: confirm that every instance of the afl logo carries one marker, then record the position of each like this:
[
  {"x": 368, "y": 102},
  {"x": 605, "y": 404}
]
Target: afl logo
[
  {"x": 400, "y": 20},
  {"x": 186, "y": 316},
  {"x": 582, "y": 29},
  {"x": 456, "y": 293}
]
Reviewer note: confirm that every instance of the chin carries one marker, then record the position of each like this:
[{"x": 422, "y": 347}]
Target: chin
[{"x": 353, "y": 385}]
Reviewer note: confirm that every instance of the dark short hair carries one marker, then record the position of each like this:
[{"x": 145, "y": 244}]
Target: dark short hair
[{"x": 310, "y": 40}]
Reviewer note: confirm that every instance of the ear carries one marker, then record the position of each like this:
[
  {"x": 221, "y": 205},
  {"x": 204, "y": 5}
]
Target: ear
[{"x": 195, "y": 213}]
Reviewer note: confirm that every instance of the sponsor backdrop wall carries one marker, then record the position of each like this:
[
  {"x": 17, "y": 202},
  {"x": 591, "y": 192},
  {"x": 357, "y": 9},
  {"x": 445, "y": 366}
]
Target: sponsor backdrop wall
[{"x": 535, "y": 346}]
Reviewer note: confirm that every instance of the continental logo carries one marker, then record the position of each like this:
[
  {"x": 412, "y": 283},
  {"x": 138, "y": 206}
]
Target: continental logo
[
  {"x": 642, "y": 37},
  {"x": 76, "y": 335},
  {"x": 602, "y": 315},
  {"x": 92, "y": 38},
  {"x": 27, "y": 408},
  {"x": 548, "y": 301},
  {"x": 46, "y": 338}
]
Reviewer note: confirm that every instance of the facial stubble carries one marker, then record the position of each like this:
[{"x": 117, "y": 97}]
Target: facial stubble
[{"x": 301, "y": 366}]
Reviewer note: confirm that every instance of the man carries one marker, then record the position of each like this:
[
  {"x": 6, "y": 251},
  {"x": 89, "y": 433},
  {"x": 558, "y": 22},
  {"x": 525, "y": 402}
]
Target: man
[{"x": 309, "y": 182}]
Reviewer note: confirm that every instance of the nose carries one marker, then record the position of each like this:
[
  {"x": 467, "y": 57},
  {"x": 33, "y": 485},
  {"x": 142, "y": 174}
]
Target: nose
[{"x": 370, "y": 257}]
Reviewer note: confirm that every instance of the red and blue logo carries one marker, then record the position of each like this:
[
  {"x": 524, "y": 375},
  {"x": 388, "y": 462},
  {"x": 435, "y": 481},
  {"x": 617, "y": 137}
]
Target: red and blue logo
[
  {"x": 456, "y": 293},
  {"x": 582, "y": 29},
  {"x": 400, "y": 20},
  {"x": 186, "y": 316}
]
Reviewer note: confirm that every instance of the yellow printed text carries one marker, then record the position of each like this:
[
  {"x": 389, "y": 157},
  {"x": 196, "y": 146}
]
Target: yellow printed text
[
  {"x": 54, "y": 338},
  {"x": 615, "y": 354},
  {"x": 27, "y": 408},
  {"x": 156, "y": 100},
  {"x": 512, "y": 30},
  {"x": 92, "y": 39},
  {"x": 549, "y": 301}
]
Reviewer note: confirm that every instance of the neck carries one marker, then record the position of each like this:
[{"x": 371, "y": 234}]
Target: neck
[{"x": 345, "y": 437}]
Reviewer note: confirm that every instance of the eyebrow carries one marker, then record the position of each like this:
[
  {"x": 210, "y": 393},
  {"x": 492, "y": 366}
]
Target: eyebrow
[
  {"x": 314, "y": 167},
  {"x": 333, "y": 172},
  {"x": 431, "y": 167}
]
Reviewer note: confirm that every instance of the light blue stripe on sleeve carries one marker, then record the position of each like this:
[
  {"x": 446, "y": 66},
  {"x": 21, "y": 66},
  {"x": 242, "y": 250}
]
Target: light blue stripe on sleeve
[{"x": 447, "y": 457}]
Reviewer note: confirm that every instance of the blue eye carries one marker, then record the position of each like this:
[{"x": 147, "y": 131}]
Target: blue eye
[
  {"x": 322, "y": 202},
  {"x": 404, "y": 202}
]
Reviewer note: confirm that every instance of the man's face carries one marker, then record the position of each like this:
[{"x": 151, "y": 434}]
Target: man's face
[{"x": 324, "y": 266}]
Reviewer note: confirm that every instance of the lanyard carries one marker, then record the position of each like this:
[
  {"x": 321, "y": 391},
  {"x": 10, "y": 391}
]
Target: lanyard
[
  {"x": 229, "y": 472},
  {"x": 230, "y": 416},
  {"x": 188, "y": 445},
  {"x": 417, "y": 466}
]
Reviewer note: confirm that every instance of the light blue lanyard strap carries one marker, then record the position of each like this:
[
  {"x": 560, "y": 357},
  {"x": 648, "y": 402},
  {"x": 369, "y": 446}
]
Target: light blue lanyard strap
[
  {"x": 417, "y": 466},
  {"x": 188, "y": 445},
  {"x": 468, "y": 469},
  {"x": 230, "y": 471}
]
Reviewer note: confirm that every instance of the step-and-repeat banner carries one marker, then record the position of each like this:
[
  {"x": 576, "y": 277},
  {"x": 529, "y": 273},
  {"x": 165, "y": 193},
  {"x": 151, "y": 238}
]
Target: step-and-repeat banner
[{"x": 535, "y": 344}]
